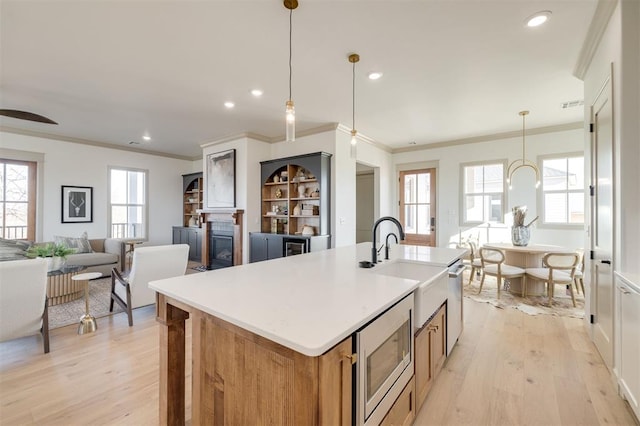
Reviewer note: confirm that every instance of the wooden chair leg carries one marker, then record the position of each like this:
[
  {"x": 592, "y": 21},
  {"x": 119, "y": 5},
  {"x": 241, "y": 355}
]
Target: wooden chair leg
[
  {"x": 473, "y": 270},
  {"x": 45, "y": 326},
  {"x": 573, "y": 297},
  {"x": 499, "y": 280},
  {"x": 129, "y": 310},
  {"x": 481, "y": 282},
  {"x": 524, "y": 286},
  {"x": 550, "y": 286}
]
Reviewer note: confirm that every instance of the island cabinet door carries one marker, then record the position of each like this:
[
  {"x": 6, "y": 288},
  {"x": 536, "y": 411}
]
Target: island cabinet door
[
  {"x": 430, "y": 354},
  {"x": 335, "y": 387}
]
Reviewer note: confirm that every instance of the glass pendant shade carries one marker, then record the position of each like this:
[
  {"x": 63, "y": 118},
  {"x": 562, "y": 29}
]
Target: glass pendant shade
[
  {"x": 354, "y": 139},
  {"x": 291, "y": 122}
]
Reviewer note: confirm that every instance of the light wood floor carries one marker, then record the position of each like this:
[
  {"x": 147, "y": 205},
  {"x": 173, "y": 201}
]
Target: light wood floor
[{"x": 507, "y": 369}]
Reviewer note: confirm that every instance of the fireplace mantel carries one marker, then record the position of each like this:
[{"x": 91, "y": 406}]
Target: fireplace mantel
[{"x": 223, "y": 215}]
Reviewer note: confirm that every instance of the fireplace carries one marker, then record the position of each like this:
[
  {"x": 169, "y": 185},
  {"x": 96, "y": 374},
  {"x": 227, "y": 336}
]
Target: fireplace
[{"x": 220, "y": 245}]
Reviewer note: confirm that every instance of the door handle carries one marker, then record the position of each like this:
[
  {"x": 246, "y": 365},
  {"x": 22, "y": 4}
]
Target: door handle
[{"x": 606, "y": 262}]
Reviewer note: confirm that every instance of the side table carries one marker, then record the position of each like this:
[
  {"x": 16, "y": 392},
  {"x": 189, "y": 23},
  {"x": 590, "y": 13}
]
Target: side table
[{"x": 87, "y": 322}]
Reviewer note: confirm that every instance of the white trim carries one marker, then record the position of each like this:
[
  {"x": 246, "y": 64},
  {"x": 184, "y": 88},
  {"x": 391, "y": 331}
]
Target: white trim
[
  {"x": 462, "y": 198},
  {"x": 599, "y": 23}
]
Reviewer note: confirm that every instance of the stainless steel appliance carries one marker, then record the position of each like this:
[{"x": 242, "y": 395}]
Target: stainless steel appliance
[
  {"x": 293, "y": 246},
  {"x": 454, "y": 304},
  {"x": 385, "y": 361}
]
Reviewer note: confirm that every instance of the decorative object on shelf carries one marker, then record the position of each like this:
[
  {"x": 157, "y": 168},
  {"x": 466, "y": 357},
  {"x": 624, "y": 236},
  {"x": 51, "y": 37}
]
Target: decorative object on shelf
[
  {"x": 308, "y": 230},
  {"x": 221, "y": 179},
  {"x": 193, "y": 222},
  {"x": 297, "y": 210},
  {"x": 516, "y": 164},
  {"x": 520, "y": 233},
  {"x": 77, "y": 204},
  {"x": 284, "y": 176},
  {"x": 276, "y": 179},
  {"x": 316, "y": 193},
  {"x": 290, "y": 110},
  {"x": 301, "y": 190},
  {"x": 278, "y": 193},
  {"x": 353, "y": 58}
]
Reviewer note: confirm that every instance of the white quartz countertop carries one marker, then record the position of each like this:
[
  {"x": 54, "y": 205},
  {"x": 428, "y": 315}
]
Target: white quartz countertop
[{"x": 307, "y": 302}]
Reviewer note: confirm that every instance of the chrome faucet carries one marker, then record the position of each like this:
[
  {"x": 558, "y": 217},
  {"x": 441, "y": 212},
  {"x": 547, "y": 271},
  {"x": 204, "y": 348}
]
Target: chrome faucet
[
  {"x": 374, "y": 251},
  {"x": 386, "y": 244}
]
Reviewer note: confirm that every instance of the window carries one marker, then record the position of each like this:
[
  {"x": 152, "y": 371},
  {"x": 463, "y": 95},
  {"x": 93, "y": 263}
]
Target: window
[
  {"x": 483, "y": 192},
  {"x": 18, "y": 198},
  {"x": 563, "y": 190},
  {"x": 127, "y": 203},
  {"x": 417, "y": 206}
]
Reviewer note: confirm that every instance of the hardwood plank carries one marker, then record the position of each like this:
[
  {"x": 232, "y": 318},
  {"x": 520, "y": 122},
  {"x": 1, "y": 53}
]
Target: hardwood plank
[{"x": 112, "y": 376}]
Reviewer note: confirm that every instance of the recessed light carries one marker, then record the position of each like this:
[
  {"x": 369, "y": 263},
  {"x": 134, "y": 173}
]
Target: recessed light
[
  {"x": 256, "y": 92},
  {"x": 229, "y": 105},
  {"x": 412, "y": 143},
  {"x": 146, "y": 138},
  {"x": 375, "y": 75},
  {"x": 538, "y": 18}
]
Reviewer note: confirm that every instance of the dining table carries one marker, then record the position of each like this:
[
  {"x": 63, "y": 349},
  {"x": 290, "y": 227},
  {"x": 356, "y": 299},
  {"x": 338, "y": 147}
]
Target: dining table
[{"x": 529, "y": 256}]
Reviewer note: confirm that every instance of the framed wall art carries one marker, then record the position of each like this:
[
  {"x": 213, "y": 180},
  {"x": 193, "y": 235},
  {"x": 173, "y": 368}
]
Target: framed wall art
[
  {"x": 77, "y": 204},
  {"x": 221, "y": 179}
]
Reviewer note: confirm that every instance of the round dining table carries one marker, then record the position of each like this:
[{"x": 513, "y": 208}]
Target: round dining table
[{"x": 529, "y": 256}]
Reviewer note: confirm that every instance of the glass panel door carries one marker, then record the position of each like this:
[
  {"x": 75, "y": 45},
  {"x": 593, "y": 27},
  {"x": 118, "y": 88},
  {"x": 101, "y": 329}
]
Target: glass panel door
[{"x": 417, "y": 206}]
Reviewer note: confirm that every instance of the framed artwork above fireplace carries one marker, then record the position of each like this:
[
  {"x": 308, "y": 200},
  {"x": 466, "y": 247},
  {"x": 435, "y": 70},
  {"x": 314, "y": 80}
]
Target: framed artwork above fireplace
[{"x": 221, "y": 179}]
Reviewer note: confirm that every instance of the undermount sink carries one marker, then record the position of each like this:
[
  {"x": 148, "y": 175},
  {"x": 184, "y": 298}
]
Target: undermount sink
[{"x": 409, "y": 270}]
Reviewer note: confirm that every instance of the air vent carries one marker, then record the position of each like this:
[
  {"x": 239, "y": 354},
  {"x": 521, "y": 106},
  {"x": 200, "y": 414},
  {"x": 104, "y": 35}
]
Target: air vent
[
  {"x": 571, "y": 104},
  {"x": 134, "y": 143}
]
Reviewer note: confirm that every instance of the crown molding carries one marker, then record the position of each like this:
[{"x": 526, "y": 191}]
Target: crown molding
[
  {"x": 601, "y": 17},
  {"x": 364, "y": 138},
  {"x": 493, "y": 137},
  {"x": 280, "y": 138},
  {"x": 235, "y": 137},
  {"x": 92, "y": 143}
]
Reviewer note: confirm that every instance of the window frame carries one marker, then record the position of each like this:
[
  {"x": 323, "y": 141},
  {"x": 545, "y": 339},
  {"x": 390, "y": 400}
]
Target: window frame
[
  {"x": 32, "y": 196},
  {"x": 463, "y": 194},
  {"x": 541, "y": 192},
  {"x": 145, "y": 214}
]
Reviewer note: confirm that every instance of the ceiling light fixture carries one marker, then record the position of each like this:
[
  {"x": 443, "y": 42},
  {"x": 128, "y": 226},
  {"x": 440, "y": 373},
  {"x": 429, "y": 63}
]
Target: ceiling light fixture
[
  {"x": 256, "y": 92},
  {"x": 516, "y": 164},
  {"x": 229, "y": 105},
  {"x": 375, "y": 75},
  {"x": 538, "y": 18},
  {"x": 290, "y": 110},
  {"x": 353, "y": 58},
  {"x": 146, "y": 138}
]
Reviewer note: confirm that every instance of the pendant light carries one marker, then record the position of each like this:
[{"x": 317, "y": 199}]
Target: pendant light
[
  {"x": 516, "y": 164},
  {"x": 353, "y": 58},
  {"x": 290, "y": 110}
]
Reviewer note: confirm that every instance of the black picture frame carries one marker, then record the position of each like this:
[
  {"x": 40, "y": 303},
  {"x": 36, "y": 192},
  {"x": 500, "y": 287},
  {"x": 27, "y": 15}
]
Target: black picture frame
[
  {"x": 76, "y": 204},
  {"x": 221, "y": 179}
]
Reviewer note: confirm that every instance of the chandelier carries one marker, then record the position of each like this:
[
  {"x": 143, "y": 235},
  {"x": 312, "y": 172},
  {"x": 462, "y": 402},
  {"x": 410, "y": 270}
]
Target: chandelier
[{"x": 523, "y": 162}]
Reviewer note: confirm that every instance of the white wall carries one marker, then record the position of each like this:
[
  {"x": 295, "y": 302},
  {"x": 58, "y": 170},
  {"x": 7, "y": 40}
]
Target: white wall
[
  {"x": 67, "y": 163},
  {"x": 523, "y": 192}
]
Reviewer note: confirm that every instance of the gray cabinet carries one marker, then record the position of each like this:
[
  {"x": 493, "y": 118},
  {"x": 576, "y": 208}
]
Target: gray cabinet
[
  {"x": 265, "y": 246},
  {"x": 192, "y": 237}
]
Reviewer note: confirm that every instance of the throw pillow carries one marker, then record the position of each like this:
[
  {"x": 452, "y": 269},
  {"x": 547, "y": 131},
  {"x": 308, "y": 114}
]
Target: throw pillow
[
  {"x": 13, "y": 249},
  {"x": 81, "y": 245}
]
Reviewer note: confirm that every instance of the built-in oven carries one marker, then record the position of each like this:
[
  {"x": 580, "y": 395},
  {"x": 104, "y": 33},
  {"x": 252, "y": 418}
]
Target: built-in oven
[
  {"x": 293, "y": 246},
  {"x": 385, "y": 361}
]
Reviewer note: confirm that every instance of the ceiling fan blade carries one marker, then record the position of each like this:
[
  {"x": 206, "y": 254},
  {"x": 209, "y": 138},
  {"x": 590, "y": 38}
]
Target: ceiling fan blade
[{"x": 24, "y": 115}]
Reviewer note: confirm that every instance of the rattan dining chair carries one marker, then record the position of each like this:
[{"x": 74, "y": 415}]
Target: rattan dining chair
[
  {"x": 558, "y": 268},
  {"x": 579, "y": 274},
  {"x": 492, "y": 261},
  {"x": 474, "y": 260}
]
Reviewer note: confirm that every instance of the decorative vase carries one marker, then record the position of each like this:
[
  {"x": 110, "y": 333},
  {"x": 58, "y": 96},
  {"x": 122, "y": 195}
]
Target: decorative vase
[
  {"x": 192, "y": 221},
  {"x": 301, "y": 191},
  {"x": 296, "y": 210},
  {"x": 55, "y": 263},
  {"x": 520, "y": 235}
]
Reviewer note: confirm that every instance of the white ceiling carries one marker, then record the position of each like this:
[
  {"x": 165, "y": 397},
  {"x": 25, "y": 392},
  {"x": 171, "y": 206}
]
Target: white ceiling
[{"x": 111, "y": 71}]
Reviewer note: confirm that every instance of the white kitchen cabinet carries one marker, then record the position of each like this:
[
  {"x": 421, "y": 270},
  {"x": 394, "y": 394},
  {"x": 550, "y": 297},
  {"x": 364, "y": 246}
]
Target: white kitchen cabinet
[{"x": 629, "y": 343}]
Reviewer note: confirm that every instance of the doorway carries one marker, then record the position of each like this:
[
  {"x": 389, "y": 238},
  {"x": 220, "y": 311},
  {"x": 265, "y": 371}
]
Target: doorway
[
  {"x": 418, "y": 206},
  {"x": 365, "y": 202}
]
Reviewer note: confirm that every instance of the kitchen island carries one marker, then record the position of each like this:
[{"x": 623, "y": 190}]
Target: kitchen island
[{"x": 289, "y": 319}]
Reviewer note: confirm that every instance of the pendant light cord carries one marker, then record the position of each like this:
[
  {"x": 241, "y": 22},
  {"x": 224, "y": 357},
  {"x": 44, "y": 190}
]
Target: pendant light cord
[
  {"x": 290, "y": 50},
  {"x": 523, "y": 117}
]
